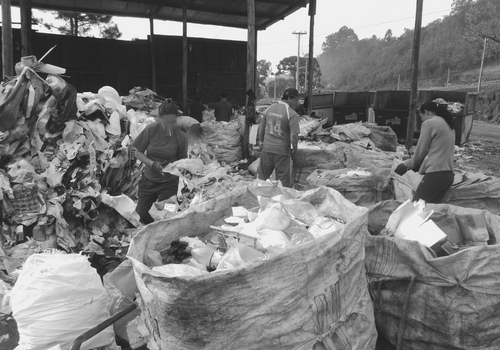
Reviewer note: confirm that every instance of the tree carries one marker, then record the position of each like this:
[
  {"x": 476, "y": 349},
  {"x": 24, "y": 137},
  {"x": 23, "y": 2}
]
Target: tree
[
  {"x": 344, "y": 35},
  {"x": 282, "y": 82},
  {"x": 482, "y": 18},
  {"x": 263, "y": 70},
  {"x": 82, "y": 24},
  {"x": 288, "y": 65}
]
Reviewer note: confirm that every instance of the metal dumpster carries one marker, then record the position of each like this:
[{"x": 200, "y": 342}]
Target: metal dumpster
[
  {"x": 463, "y": 120},
  {"x": 351, "y": 107},
  {"x": 322, "y": 105},
  {"x": 391, "y": 109}
]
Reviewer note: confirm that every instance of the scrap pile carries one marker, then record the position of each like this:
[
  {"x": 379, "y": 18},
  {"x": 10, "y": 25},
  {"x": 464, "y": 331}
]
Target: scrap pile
[
  {"x": 62, "y": 154},
  {"x": 363, "y": 134}
]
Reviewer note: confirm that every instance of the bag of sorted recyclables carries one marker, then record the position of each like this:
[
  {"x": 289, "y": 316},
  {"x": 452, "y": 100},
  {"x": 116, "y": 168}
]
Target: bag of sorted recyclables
[
  {"x": 363, "y": 188},
  {"x": 225, "y": 140},
  {"x": 318, "y": 289},
  {"x": 478, "y": 195},
  {"x": 57, "y": 298},
  {"x": 446, "y": 303}
]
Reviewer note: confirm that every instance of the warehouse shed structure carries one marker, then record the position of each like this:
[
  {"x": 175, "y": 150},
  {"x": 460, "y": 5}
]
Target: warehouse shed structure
[{"x": 253, "y": 15}]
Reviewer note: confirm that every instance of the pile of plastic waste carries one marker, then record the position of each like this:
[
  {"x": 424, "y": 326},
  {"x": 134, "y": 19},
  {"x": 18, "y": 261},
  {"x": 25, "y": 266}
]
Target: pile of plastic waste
[{"x": 279, "y": 224}]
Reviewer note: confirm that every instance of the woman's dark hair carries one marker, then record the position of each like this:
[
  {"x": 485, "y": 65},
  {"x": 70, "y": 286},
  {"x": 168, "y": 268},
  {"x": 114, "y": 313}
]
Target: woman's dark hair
[
  {"x": 168, "y": 107},
  {"x": 441, "y": 110}
]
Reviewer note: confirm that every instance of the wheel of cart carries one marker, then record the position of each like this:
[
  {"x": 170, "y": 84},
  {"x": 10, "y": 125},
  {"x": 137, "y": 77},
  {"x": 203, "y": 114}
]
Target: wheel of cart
[{"x": 102, "y": 326}]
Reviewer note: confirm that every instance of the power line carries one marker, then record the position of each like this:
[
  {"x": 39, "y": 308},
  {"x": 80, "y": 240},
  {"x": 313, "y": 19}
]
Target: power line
[{"x": 363, "y": 27}]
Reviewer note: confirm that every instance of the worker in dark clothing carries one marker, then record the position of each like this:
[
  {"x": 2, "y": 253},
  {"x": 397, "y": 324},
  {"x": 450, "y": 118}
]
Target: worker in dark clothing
[
  {"x": 279, "y": 128},
  {"x": 223, "y": 109},
  {"x": 197, "y": 109},
  {"x": 158, "y": 145}
]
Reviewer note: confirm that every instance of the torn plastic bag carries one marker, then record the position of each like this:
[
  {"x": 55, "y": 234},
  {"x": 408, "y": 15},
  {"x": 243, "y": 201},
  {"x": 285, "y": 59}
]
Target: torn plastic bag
[
  {"x": 10, "y": 107},
  {"x": 65, "y": 95}
]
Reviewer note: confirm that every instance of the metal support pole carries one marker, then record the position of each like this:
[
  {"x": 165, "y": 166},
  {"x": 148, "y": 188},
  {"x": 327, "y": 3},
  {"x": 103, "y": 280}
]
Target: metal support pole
[
  {"x": 410, "y": 131},
  {"x": 25, "y": 10},
  {"x": 7, "y": 45},
  {"x": 152, "y": 52},
  {"x": 310, "y": 68},
  {"x": 184, "y": 58}
]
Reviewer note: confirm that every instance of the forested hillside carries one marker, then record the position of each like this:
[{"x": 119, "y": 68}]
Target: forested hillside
[{"x": 455, "y": 43}]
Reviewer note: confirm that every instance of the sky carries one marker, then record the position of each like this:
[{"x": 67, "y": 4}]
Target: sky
[{"x": 366, "y": 17}]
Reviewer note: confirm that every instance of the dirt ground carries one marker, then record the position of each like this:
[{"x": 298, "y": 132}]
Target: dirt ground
[{"x": 482, "y": 152}]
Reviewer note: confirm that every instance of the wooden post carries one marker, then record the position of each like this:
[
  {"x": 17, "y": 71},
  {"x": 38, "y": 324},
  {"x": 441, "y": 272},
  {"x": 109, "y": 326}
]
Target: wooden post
[
  {"x": 480, "y": 82},
  {"x": 310, "y": 75},
  {"x": 399, "y": 82},
  {"x": 448, "y": 78},
  {"x": 7, "y": 45},
  {"x": 251, "y": 45},
  {"x": 152, "y": 52},
  {"x": 184, "y": 58},
  {"x": 412, "y": 117},
  {"x": 25, "y": 10},
  {"x": 251, "y": 64}
]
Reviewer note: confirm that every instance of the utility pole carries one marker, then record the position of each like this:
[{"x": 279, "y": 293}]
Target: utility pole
[
  {"x": 310, "y": 59},
  {"x": 482, "y": 66},
  {"x": 297, "y": 74},
  {"x": 399, "y": 82},
  {"x": 275, "y": 83},
  {"x": 412, "y": 117},
  {"x": 448, "y": 79}
]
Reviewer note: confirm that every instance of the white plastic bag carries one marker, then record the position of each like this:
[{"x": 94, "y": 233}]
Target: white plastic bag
[{"x": 57, "y": 298}]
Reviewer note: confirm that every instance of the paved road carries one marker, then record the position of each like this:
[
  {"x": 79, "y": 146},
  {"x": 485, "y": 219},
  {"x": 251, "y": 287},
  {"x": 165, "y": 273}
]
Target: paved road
[{"x": 485, "y": 131}]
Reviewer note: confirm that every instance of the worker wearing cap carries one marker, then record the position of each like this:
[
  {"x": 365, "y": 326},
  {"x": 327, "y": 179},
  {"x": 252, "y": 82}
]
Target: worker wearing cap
[
  {"x": 279, "y": 130},
  {"x": 158, "y": 145}
]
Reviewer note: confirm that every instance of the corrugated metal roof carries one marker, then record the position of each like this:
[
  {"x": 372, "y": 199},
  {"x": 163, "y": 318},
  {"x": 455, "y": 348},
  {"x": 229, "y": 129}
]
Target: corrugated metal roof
[{"x": 227, "y": 13}]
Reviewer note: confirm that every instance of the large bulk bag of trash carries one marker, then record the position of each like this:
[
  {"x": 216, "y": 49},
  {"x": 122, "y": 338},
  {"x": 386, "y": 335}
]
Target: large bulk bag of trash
[
  {"x": 383, "y": 137},
  {"x": 225, "y": 140},
  {"x": 445, "y": 303},
  {"x": 480, "y": 195},
  {"x": 57, "y": 298},
  {"x": 307, "y": 160},
  {"x": 313, "y": 296},
  {"x": 356, "y": 156},
  {"x": 363, "y": 188}
]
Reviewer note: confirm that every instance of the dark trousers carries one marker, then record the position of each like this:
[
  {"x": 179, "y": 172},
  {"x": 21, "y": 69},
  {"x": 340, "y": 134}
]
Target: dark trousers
[
  {"x": 279, "y": 162},
  {"x": 150, "y": 192},
  {"x": 434, "y": 187}
]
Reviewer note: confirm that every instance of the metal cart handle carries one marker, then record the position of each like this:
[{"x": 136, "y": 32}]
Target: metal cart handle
[{"x": 100, "y": 327}]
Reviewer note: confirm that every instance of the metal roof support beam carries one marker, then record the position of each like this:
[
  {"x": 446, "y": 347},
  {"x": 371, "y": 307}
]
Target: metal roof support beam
[{"x": 291, "y": 9}]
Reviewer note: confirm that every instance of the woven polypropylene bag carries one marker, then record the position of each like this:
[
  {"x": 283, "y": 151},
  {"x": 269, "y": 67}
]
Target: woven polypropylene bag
[
  {"x": 225, "y": 140},
  {"x": 362, "y": 191},
  {"x": 313, "y": 296},
  {"x": 57, "y": 298},
  {"x": 446, "y": 303}
]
